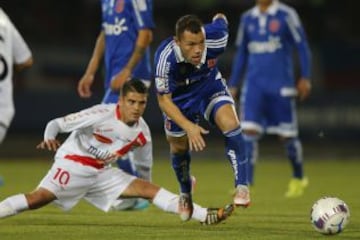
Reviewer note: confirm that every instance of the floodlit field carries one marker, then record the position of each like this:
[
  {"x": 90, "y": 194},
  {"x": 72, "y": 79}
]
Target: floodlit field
[{"x": 270, "y": 216}]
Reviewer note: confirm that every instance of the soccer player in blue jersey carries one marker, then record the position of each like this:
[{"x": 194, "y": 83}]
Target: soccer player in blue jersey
[
  {"x": 267, "y": 36},
  {"x": 189, "y": 85},
  {"x": 123, "y": 42}
]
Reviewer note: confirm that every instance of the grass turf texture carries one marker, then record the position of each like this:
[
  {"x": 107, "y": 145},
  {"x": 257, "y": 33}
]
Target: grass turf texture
[{"x": 271, "y": 215}]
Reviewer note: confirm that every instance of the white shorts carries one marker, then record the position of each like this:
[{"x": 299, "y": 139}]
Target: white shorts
[{"x": 71, "y": 181}]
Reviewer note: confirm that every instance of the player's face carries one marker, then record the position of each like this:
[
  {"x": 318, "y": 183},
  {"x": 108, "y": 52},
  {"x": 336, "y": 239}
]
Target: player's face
[
  {"x": 132, "y": 107},
  {"x": 192, "y": 46}
]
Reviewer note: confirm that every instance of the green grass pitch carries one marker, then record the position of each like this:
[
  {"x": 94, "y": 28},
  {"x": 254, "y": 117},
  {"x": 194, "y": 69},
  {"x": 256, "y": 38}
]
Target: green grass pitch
[{"x": 270, "y": 216}]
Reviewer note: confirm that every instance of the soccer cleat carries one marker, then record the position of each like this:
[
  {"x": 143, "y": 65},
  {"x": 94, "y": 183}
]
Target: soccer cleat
[
  {"x": 141, "y": 204},
  {"x": 130, "y": 204},
  {"x": 242, "y": 196},
  {"x": 296, "y": 187},
  {"x": 217, "y": 215},
  {"x": 185, "y": 206}
]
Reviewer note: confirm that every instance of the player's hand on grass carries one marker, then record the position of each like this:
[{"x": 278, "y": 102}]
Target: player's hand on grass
[
  {"x": 51, "y": 145},
  {"x": 194, "y": 134}
]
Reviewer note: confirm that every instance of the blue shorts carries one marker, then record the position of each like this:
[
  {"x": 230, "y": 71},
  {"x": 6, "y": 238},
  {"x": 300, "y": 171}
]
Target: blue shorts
[
  {"x": 268, "y": 110},
  {"x": 206, "y": 104}
]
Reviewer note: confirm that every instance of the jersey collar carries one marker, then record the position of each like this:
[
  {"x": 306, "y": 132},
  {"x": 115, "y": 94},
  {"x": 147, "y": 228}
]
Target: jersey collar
[{"x": 272, "y": 9}]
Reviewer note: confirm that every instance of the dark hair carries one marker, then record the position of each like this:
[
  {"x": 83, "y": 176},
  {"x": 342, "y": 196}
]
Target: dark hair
[
  {"x": 134, "y": 85},
  {"x": 189, "y": 23}
]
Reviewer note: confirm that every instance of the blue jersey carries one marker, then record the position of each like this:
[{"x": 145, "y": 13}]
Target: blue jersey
[
  {"x": 187, "y": 83},
  {"x": 121, "y": 21},
  {"x": 265, "y": 44}
]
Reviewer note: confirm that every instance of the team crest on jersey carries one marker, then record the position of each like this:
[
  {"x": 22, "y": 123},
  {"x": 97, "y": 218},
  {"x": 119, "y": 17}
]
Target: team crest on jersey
[
  {"x": 119, "y": 6},
  {"x": 161, "y": 84},
  {"x": 274, "y": 25},
  {"x": 211, "y": 62}
]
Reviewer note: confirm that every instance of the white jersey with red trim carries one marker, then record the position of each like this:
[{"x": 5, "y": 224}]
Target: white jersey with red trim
[{"x": 97, "y": 133}]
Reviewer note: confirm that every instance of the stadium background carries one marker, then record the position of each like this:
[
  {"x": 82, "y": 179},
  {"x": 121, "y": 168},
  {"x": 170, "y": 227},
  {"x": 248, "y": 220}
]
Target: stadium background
[{"x": 62, "y": 35}]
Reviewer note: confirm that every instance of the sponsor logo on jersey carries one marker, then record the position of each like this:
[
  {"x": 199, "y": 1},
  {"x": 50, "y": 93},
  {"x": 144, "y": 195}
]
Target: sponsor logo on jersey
[
  {"x": 274, "y": 25},
  {"x": 117, "y": 28},
  {"x": 269, "y": 46}
]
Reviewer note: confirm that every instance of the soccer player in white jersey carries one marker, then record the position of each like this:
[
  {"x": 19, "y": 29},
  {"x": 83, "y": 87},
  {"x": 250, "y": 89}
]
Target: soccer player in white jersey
[
  {"x": 124, "y": 43},
  {"x": 189, "y": 86},
  {"x": 267, "y": 36},
  {"x": 82, "y": 166},
  {"x": 14, "y": 52}
]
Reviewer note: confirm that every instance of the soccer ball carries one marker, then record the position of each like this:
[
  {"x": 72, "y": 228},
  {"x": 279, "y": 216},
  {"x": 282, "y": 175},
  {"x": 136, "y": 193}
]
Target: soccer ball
[{"x": 329, "y": 215}]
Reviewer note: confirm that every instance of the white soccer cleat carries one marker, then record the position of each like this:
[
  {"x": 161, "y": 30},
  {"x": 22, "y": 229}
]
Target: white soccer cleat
[{"x": 242, "y": 196}]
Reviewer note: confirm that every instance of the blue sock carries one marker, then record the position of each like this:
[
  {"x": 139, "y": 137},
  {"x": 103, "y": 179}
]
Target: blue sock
[
  {"x": 181, "y": 166},
  {"x": 235, "y": 151},
  {"x": 126, "y": 166},
  {"x": 294, "y": 152}
]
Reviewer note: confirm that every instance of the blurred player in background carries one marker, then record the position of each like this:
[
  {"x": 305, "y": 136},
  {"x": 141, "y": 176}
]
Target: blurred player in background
[
  {"x": 14, "y": 54},
  {"x": 99, "y": 135},
  {"x": 189, "y": 85},
  {"x": 124, "y": 43},
  {"x": 267, "y": 36}
]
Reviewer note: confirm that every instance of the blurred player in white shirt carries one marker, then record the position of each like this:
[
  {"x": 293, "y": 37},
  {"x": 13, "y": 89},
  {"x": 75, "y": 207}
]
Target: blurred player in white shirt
[
  {"x": 14, "y": 52},
  {"x": 82, "y": 167}
]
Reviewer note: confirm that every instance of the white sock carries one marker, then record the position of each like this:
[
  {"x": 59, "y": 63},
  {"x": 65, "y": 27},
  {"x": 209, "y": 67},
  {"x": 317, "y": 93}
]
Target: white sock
[
  {"x": 13, "y": 205},
  {"x": 168, "y": 202},
  {"x": 199, "y": 213}
]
